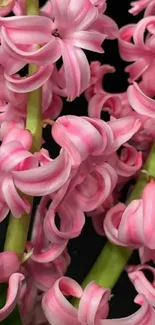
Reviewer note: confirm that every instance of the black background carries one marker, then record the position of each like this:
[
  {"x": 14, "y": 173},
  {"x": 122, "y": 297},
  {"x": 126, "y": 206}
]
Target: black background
[{"x": 85, "y": 249}]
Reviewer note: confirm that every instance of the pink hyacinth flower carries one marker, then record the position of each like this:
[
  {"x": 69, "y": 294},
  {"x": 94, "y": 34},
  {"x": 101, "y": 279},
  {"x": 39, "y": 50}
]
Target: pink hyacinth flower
[
  {"x": 77, "y": 32},
  {"x": 123, "y": 129},
  {"x": 140, "y": 102},
  {"x": 141, "y": 50},
  {"x": 50, "y": 176},
  {"x": 144, "y": 316},
  {"x": 77, "y": 136},
  {"x": 72, "y": 220},
  {"x": 128, "y": 162},
  {"x": 57, "y": 309},
  {"x": 141, "y": 283},
  {"x": 58, "y": 39},
  {"x": 131, "y": 226},
  {"x": 43, "y": 250},
  {"x": 95, "y": 188},
  {"x": 14, "y": 155}
]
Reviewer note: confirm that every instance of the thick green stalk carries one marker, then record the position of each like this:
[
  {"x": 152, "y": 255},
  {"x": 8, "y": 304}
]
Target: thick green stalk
[
  {"x": 18, "y": 228},
  {"x": 112, "y": 259}
]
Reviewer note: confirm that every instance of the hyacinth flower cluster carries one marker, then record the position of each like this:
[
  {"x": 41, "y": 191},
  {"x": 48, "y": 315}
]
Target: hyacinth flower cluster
[{"x": 96, "y": 160}]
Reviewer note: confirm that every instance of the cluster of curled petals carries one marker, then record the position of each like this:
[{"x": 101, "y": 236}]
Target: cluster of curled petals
[
  {"x": 132, "y": 225},
  {"x": 59, "y": 311},
  {"x": 95, "y": 161},
  {"x": 58, "y": 39},
  {"x": 141, "y": 283},
  {"x": 19, "y": 169},
  {"x": 93, "y": 308},
  {"x": 137, "y": 101}
]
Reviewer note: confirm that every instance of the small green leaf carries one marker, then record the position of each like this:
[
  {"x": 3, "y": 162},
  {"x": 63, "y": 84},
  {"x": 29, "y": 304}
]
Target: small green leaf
[{"x": 14, "y": 317}]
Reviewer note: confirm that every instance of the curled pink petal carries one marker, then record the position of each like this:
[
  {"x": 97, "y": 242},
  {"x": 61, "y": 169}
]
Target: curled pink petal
[
  {"x": 96, "y": 187},
  {"x": 141, "y": 103},
  {"x": 17, "y": 134},
  {"x": 75, "y": 58},
  {"x": 144, "y": 316},
  {"x": 123, "y": 129},
  {"x": 45, "y": 179},
  {"x": 13, "y": 156},
  {"x": 128, "y": 51},
  {"x": 142, "y": 284},
  {"x": 72, "y": 220},
  {"x": 12, "y": 295},
  {"x": 132, "y": 226},
  {"x": 93, "y": 304},
  {"x": 9, "y": 264},
  {"x": 129, "y": 162},
  {"x": 16, "y": 204},
  {"x": 56, "y": 307},
  {"x": 48, "y": 254},
  {"x": 112, "y": 221},
  {"x": 48, "y": 54},
  {"x": 99, "y": 102},
  {"x": 77, "y": 136},
  {"x": 106, "y": 25},
  {"x": 27, "y": 84}
]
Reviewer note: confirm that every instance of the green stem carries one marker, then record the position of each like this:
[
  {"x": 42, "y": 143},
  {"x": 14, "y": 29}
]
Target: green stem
[
  {"x": 18, "y": 228},
  {"x": 112, "y": 259}
]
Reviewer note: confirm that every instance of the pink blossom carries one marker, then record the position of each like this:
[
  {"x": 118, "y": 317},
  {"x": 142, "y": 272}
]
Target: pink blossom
[
  {"x": 43, "y": 250},
  {"x": 66, "y": 40},
  {"x": 128, "y": 162},
  {"x": 141, "y": 103},
  {"x": 95, "y": 188},
  {"x": 104, "y": 102},
  {"x": 72, "y": 220},
  {"x": 56, "y": 307},
  {"x": 141, "y": 283},
  {"x": 59, "y": 311},
  {"x": 37, "y": 181},
  {"x": 94, "y": 304},
  {"x": 141, "y": 50},
  {"x": 83, "y": 136},
  {"x": 144, "y": 316},
  {"x": 14, "y": 155},
  {"x": 104, "y": 23},
  {"x": 123, "y": 129},
  {"x": 130, "y": 226}
]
